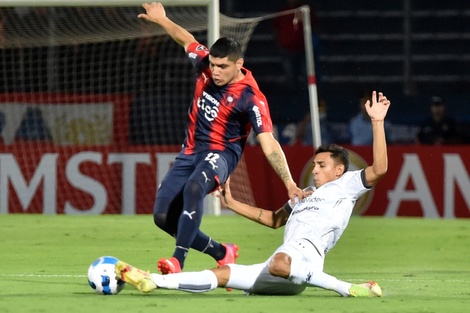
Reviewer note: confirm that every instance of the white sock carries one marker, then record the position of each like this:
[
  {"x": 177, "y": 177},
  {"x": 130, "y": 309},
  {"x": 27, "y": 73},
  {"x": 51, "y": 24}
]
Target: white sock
[
  {"x": 187, "y": 281},
  {"x": 300, "y": 274}
]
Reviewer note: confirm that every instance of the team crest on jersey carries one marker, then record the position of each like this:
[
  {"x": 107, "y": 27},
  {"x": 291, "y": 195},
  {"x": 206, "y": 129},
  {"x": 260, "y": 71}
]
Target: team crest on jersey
[{"x": 230, "y": 99}]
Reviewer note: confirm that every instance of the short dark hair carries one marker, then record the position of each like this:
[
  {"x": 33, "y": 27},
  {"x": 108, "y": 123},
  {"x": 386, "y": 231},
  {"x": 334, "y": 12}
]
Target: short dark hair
[
  {"x": 337, "y": 153},
  {"x": 226, "y": 47},
  {"x": 436, "y": 100}
]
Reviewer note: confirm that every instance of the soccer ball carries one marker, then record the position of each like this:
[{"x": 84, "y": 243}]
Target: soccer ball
[{"x": 102, "y": 278}]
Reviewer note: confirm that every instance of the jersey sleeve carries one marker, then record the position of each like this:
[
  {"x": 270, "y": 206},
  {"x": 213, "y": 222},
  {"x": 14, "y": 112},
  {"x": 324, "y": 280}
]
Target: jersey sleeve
[
  {"x": 198, "y": 55},
  {"x": 259, "y": 115},
  {"x": 354, "y": 183}
]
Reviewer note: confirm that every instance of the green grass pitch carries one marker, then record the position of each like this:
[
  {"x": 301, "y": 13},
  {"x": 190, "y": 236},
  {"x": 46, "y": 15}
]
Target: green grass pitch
[{"x": 422, "y": 265}]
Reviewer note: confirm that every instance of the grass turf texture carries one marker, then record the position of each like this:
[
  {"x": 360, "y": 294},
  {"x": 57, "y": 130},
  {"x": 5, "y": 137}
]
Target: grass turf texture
[{"x": 422, "y": 265}]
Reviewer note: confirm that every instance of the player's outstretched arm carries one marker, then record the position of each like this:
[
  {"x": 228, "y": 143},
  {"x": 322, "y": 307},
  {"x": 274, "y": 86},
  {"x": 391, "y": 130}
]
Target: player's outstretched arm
[
  {"x": 275, "y": 156},
  {"x": 155, "y": 12},
  {"x": 265, "y": 217},
  {"x": 377, "y": 110}
]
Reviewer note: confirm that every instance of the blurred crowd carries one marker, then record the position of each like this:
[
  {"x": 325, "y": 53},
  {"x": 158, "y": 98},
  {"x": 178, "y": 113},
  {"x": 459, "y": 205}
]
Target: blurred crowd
[
  {"x": 143, "y": 69},
  {"x": 436, "y": 127}
]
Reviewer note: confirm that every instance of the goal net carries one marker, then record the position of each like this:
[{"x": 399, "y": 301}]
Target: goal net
[{"x": 93, "y": 105}]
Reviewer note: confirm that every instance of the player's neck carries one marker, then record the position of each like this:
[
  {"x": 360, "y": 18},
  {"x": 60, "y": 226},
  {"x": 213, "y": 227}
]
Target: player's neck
[{"x": 240, "y": 75}]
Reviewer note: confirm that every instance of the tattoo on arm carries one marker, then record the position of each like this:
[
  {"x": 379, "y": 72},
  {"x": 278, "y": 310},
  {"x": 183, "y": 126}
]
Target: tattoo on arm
[
  {"x": 260, "y": 215},
  {"x": 278, "y": 164}
]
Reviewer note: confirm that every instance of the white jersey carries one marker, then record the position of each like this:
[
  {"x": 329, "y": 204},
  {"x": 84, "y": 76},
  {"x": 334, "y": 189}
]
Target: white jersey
[{"x": 322, "y": 217}]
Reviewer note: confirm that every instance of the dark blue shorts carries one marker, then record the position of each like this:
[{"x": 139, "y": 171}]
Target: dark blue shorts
[{"x": 212, "y": 164}]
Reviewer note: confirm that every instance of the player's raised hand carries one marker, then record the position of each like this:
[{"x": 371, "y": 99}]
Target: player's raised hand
[
  {"x": 154, "y": 12},
  {"x": 294, "y": 192},
  {"x": 377, "y": 110}
]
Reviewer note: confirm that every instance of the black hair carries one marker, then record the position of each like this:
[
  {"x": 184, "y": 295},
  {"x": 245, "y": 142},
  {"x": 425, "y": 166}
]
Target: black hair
[
  {"x": 337, "y": 153},
  {"x": 226, "y": 47},
  {"x": 436, "y": 100}
]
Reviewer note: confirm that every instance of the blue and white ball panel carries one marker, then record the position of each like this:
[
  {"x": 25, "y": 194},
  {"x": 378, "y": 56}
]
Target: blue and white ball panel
[{"x": 102, "y": 278}]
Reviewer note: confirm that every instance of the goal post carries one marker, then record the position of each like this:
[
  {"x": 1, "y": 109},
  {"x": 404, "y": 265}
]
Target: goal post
[
  {"x": 311, "y": 77},
  {"x": 93, "y": 102}
]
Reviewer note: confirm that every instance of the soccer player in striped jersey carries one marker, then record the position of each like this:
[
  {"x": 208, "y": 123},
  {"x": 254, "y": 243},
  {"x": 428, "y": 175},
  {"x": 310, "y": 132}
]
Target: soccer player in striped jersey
[
  {"x": 313, "y": 227},
  {"x": 227, "y": 104}
]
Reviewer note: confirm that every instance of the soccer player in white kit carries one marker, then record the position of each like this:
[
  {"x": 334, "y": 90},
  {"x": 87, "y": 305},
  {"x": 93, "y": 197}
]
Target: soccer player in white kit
[{"x": 313, "y": 227}]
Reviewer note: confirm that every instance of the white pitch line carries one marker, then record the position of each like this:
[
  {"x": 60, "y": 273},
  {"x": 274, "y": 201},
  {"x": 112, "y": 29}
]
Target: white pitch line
[
  {"x": 43, "y": 275},
  {"x": 413, "y": 280}
]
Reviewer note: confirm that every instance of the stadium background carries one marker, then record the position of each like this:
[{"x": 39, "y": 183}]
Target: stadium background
[{"x": 362, "y": 47}]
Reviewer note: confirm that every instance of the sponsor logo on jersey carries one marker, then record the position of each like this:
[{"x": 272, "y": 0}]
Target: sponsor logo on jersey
[
  {"x": 192, "y": 55},
  {"x": 209, "y": 106},
  {"x": 210, "y": 98},
  {"x": 312, "y": 199},
  {"x": 259, "y": 122},
  {"x": 306, "y": 208},
  {"x": 201, "y": 48}
]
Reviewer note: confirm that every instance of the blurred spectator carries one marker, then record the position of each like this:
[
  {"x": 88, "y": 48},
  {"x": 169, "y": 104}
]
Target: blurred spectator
[
  {"x": 289, "y": 34},
  {"x": 439, "y": 128},
  {"x": 2, "y": 123},
  {"x": 304, "y": 128},
  {"x": 360, "y": 127}
]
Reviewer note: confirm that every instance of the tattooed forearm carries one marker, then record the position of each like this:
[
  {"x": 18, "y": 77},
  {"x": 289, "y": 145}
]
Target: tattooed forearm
[
  {"x": 279, "y": 165},
  {"x": 260, "y": 215}
]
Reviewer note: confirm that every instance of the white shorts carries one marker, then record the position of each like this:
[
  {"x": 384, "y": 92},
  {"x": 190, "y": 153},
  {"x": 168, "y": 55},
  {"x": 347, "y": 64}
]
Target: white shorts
[{"x": 256, "y": 279}]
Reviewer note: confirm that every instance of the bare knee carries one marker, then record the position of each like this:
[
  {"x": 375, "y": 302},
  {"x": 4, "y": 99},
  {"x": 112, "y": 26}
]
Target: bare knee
[
  {"x": 280, "y": 265},
  {"x": 223, "y": 275}
]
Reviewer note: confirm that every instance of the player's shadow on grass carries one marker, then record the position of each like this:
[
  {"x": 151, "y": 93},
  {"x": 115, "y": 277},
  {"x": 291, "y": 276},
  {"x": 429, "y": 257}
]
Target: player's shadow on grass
[{"x": 216, "y": 294}]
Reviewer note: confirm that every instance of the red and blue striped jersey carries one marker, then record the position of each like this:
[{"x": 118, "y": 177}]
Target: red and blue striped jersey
[{"x": 221, "y": 117}]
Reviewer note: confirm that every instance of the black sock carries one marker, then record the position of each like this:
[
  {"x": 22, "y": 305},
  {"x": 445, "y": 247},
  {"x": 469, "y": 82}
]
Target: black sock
[{"x": 209, "y": 246}]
